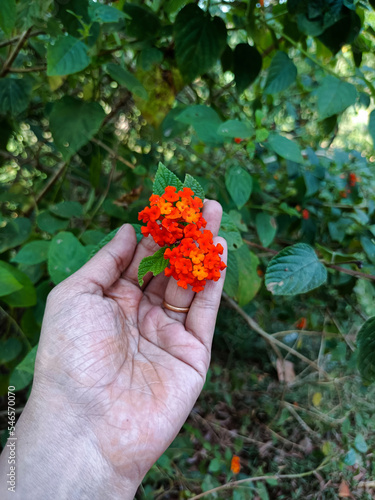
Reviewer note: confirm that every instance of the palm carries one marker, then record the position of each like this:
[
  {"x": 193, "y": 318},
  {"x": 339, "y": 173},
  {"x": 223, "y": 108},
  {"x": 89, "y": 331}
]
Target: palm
[{"x": 135, "y": 370}]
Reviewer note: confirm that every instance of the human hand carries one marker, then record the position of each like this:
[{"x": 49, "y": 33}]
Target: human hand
[{"x": 116, "y": 374}]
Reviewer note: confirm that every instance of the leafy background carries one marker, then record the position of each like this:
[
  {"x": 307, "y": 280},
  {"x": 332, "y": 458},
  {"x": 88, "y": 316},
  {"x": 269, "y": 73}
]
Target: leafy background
[{"x": 270, "y": 105}]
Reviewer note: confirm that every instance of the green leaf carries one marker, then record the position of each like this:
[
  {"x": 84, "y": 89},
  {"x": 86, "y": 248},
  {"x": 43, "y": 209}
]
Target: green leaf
[
  {"x": 232, "y": 275},
  {"x": 73, "y": 123},
  {"x": 239, "y": 185},
  {"x": 285, "y": 148},
  {"x": 194, "y": 115},
  {"x": 366, "y": 350},
  {"x": 154, "y": 264},
  {"x": 281, "y": 74},
  {"x": 334, "y": 96},
  {"x": 28, "y": 362},
  {"x": 360, "y": 443},
  {"x": 9, "y": 283},
  {"x": 148, "y": 57},
  {"x": 215, "y": 465},
  {"x": 9, "y": 349},
  {"x": 93, "y": 237},
  {"x": 105, "y": 14},
  {"x": 50, "y": 224},
  {"x": 351, "y": 457},
  {"x": 66, "y": 255},
  {"x": 23, "y": 297},
  {"x": 14, "y": 96},
  {"x": 199, "y": 40},
  {"x": 371, "y": 125},
  {"x": 312, "y": 183},
  {"x": 20, "y": 379},
  {"x": 235, "y": 128},
  {"x": 163, "y": 178},
  {"x": 205, "y": 122},
  {"x": 248, "y": 280},
  {"x": 7, "y": 15},
  {"x": 127, "y": 79},
  {"x": 33, "y": 253},
  {"x": 368, "y": 245},
  {"x": 108, "y": 237},
  {"x": 266, "y": 228},
  {"x": 14, "y": 233},
  {"x": 294, "y": 270},
  {"x": 247, "y": 63},
  {"x": 230, "y": 232},
  {"x": 193, "y": 184},
  {"x": 67, "y": 209},
  {"x": 68, "y": 55},
  {"x": 144, "y": 24}
]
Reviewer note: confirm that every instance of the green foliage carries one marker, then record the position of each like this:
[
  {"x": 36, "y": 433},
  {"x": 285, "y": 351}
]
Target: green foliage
[
  {"x": 154, "y": 264},
  {"x": 366, "y": 350},
  {"x": 295, "y": 270},
  {"x": 200, "y": 40},
  {"x": 267, "y": 109},
  {"x": 68, "y": 55}
]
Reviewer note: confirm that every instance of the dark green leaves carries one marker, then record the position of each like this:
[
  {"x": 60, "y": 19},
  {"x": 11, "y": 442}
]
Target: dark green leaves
[
  {"x": 68, "y": 55},
  {"x": 66, "y": 255},
  {"x": 154, "y": 264},
  {"x": 73, "y": 123},
  {"x": 191, "y": 183},
  {"x": 334, "y": 96},
  {"x": 235, "y": 128},
  {"x": 242, "y": 281},
  {"x": 105, "y": 13},
  {"x": 366, "y": 350},
  {"x": 67, "y": 209},
  {"x": 281, "y": 74},
  {"x": 143, "y": 25},
  {"x": 25, "y": 296},
  {"x": 14, "y": 233},
  {"x": 266, "y": 228},
  {"x": 7, "y": 15},
  {"x": 128, "y": 80},
  {"x": 296, "y": 269},
  {"x": 200, "y": 39},
  {"x": 247, "y": 63},
  {"x": 33, "y": 253},
  {"x": 14, "y": 96},
  {"x": 239, "y": 185},
  {"x": 285, "y": 148},
  {"x": 163, "y": 178},
  {"x": 9, "y": 283}
]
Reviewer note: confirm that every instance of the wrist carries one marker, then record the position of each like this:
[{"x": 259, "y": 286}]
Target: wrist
[{"x": 57, "y": 456}]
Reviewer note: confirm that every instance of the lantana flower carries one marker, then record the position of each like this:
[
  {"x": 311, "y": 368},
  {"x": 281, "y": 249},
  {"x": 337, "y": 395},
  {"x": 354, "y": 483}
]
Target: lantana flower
[{"x": 174, "y": 220}]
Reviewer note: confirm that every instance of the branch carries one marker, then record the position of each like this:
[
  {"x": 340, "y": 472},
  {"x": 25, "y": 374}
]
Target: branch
[
  {"x": 261, "y": 478},
  {"x": 113, "y": 153},
  {"x": 15, "y": 39},
  {"x": 269, "y": 338},
  {"x": 8, "y": 63},
  {"x": 46, "y": 188},
  {"x": 356, "y": 274},
  {"x": 27, "y": 70}
]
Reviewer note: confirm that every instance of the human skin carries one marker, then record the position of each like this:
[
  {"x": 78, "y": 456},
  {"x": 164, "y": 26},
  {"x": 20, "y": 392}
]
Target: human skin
[{"x": 116, "y": 375}]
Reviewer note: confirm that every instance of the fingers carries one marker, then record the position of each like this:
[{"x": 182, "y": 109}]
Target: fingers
[
  {"x": 108, "y": 264},
  {"x": 174, "y": 294},
  {"x": 201, "y": 317},
  {"x": 146, "y": 247}
]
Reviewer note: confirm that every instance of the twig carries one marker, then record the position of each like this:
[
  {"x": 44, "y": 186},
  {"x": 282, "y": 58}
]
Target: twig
[
  {"x": 8, "y": 63},
  {"x": 255, "y": 245},
  {"x": 254, "y": 325},
  {"x": 260, "y": 478},
  {"x": 356, "y": 274},
  {"x": 15, "y": 39},
  {"x": 299, "y": 419},
  {"x": 113, "y": 153},
  {"x": 27, "y": 70},
  {"x": 46, "y": 188},
  {"x": 301, "y": 332},
  {"x": 284, "y": 440}
]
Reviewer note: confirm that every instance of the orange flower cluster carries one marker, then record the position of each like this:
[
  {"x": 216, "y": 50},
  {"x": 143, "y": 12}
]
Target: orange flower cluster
[
  {"x": 235, "y": 465},
  {"x": 175, "y": 219}
]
